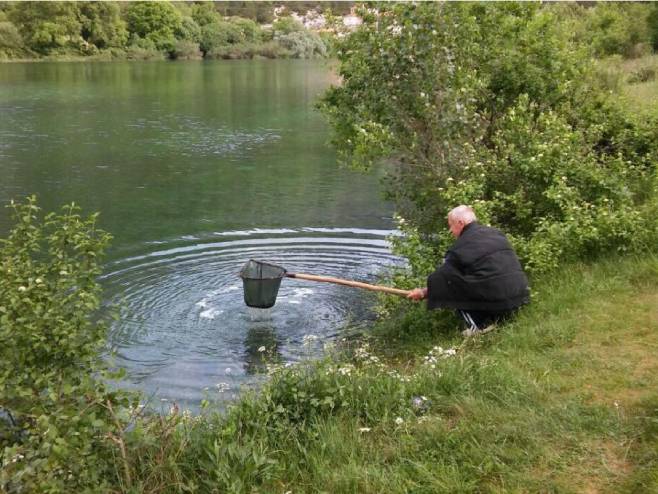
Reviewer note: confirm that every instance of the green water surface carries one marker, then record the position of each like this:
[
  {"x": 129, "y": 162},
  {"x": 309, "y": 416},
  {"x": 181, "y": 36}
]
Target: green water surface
[{"x": 164, "y": 150}]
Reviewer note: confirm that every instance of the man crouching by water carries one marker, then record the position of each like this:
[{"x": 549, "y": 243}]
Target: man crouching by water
[{"x": 480, "y": 277}]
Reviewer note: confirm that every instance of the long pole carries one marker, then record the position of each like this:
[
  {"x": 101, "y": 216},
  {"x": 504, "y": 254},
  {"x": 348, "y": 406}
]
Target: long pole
[{"x": 354, "y": 284}]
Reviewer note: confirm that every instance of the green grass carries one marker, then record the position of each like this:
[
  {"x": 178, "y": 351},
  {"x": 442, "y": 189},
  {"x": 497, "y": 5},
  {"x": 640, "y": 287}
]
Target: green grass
[
  {"x": 636, "y": 80},
  {"x": 562, "y": 399}
]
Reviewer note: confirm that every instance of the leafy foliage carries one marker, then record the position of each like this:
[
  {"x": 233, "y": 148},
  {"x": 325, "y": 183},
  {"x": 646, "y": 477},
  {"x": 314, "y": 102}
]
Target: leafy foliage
[
  {"x": 652, "y": 20},
  {"x": 155, "y": 21},
  {"x": 47, "y": 26},
  {"x": 303, "y": 44},
  {"x": 616, "y": 28},
  {"x": 287, "y": 25},
  {"x": 60, "y": 414},
  {"x": 493, "y": 106},
  {"x": 148, "y": 30},
  {"x": 11, "y": 41},
  {"x": 102, "y": 25}
]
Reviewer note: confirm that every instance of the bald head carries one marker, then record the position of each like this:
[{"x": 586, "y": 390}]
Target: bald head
[{"x": 459, "y": 217}]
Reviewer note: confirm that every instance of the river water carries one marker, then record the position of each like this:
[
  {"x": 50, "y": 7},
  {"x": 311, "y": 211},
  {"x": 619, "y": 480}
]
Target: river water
[{"x": 195, "y": 168}]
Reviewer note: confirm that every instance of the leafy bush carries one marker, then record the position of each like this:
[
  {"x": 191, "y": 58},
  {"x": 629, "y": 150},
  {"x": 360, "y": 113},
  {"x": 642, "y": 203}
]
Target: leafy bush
[
  {"x": 156, "y": 21},
  {"x": 652, "y": 21},
  {"x": 643, "y": 74},
  {"x": 47, "y": 26},
  {"x": 286, "y": 25},
  {"x": 616, "y": 28},
  {"x": 204, "y": 13},
  {"x": 62, "y": 417},
  {"x": 102, "y": 25},
  {"x": 189, "y": 30},
  {"x": 186, "y": 50},
  {"x": 11, "y": 42},
  {"x": 214, "y": 36},
  {"x": 143, "y": 49},
  {"x": 491, "y": 105},
  {"x": 303, "y": 44},
  {"x": 251, "y": 32}
]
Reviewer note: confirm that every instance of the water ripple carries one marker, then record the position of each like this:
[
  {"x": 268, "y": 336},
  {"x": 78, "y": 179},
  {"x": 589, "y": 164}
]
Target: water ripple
[{"x": 184, "y": 321}]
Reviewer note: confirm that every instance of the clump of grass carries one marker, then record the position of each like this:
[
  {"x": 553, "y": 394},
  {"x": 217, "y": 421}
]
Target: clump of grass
[{"x": 644, "y": 74}]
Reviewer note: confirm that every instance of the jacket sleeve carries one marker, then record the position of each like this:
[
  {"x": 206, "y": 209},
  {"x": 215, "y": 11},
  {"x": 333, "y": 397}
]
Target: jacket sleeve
[{"x": 440, "y": 281}]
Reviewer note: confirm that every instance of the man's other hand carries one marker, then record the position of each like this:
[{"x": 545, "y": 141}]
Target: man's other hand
[{"x": 417, "y": 294}]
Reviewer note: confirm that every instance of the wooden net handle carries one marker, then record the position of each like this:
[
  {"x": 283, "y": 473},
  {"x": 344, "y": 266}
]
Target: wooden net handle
[{"x": 355, "y": 284}]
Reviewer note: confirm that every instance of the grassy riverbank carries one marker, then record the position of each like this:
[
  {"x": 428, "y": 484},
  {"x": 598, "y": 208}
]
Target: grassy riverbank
[{"x": 564, "y": 399}]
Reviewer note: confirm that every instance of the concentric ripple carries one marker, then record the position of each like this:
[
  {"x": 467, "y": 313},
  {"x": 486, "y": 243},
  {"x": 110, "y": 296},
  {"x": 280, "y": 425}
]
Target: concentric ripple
[{"x": 185, "y": 331}]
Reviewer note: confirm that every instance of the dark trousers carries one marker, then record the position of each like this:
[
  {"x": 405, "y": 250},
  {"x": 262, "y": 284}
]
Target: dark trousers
[{"x": 480, "y": 319}]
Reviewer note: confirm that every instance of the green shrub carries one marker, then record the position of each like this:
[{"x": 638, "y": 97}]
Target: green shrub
[
  {"x": 492, "y": 105},
  {"x": 643, "y": 74},
  {"x": 155, "y": 21},
  {"x": 652, "y": 21},
  {"x": 47, "y": 27},
  {"x": 272, "y": 49},
  {"x": 616, "y": 28},
  {"x": 143, "y": 49},
  {"x": 251, "y": 32},
  {"x": 303, "y": 44},
  {"x": 235, "y": 51},
  {"x": 62, "y": 417},
  {"x": 188, "y": 30},
  {"x": 11, "y": 42},
  {"x": 286, "y": 25},
  {"x": 102, "y": 25},
  {"x": 204, "y": 13},
  {"x": 214, "y": 36},
  {"x": 186, "y": 50}
]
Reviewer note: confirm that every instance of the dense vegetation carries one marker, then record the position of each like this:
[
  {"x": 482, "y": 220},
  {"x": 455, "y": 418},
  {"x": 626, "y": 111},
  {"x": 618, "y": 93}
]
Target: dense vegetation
[
  {"x": 495, "y": 105},
  {"x": 156, "y": 30},
  {"x": 563, "y": 399}
]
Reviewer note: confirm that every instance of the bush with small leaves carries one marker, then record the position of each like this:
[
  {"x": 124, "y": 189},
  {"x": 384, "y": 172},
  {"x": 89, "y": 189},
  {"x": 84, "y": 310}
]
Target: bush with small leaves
[
  {"x": 303, "y": 44},
  {"x": 492, "y": 105},
  {"x": 62, "y": 419}
]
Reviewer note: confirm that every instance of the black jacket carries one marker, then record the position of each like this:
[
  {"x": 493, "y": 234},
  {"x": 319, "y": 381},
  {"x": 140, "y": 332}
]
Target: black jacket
[{"x": 480, "y": 272}]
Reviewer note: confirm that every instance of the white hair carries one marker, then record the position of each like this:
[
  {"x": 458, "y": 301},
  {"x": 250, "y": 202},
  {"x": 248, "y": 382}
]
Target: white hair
[{"x": 463, "y": 213}]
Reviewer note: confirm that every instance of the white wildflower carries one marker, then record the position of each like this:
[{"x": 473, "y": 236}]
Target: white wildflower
[
  {"x": 21, "y": 288},
  {"x": 346, "y": 371},
  {"x": 221, "y": 387},
  {"x": 399, "y": 421},
  {"x": 261, "y": 349},
  {"x": 364, "y": 429}
]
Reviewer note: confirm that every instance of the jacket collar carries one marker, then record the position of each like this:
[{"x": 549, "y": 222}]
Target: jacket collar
[{"x": 466, "y": 227}]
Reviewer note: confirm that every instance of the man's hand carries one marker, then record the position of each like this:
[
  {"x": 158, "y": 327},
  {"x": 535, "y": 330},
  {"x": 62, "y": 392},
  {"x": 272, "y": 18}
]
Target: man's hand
[{"x": 418, "y": 294}]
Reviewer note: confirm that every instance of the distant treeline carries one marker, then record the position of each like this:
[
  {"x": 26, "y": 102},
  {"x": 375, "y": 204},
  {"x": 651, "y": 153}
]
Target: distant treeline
[
  {"x": 151, "y": 30},
  {"x": 187, "y": 30}
]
